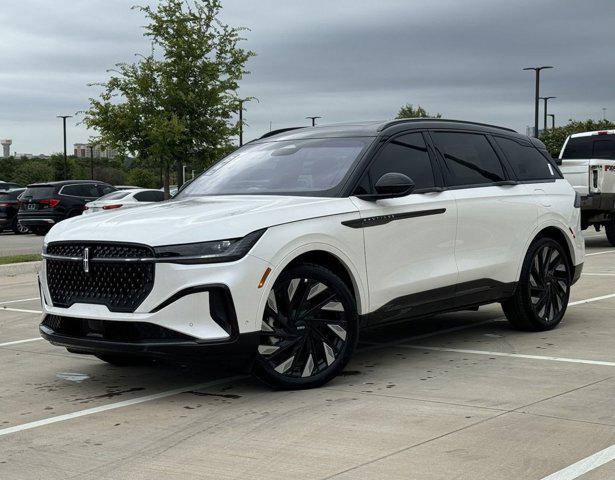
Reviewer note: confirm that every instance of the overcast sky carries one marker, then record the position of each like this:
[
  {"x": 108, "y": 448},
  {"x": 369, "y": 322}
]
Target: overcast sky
[{"x": 345, "y": 60}]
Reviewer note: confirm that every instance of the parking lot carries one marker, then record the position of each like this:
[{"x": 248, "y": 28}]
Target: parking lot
[
  {"x": 460, "y": 396},
  {"x": 11, "y": 244}
]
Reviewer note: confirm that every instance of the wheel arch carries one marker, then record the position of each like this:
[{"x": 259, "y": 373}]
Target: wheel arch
[{"x": 556, "y": 233}]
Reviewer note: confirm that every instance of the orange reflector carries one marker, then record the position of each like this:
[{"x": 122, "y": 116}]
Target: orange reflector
[{"x": 264, "y": 278}]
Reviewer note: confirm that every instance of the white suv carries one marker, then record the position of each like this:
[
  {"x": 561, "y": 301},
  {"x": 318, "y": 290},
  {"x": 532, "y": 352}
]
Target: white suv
[{"x": 282, "y": 252}]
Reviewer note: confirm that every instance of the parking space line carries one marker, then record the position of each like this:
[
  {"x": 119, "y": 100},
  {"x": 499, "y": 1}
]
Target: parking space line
[
  {"x": 21, "y": 300},
  {"x": 599, "y": 253},
  {"x": 589, "y": 300},
  {"x": 590, "y": 274},
  {"x": 513, "y": 355},
  {"x": 9, "y": 309},
  {"x": 585, "y": 465},
  {"x": 16, "y": 342},
  {"x": 114, "y": 406}
]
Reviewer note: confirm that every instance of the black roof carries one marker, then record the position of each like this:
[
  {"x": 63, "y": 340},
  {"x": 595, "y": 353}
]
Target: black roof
[
  {"x": 65, "y": 182},
  {"x": 375, "y": 128}
]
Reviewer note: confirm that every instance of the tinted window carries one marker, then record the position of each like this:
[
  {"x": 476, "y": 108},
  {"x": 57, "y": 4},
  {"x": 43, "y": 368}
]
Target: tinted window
[
  {"x": 82, "y": 190},
  {"x": 470, "y": 159},
  {"x": 104, "y": 189},
  {"x": 594, "y": 146},
  {"x": 37, "y": 193},
  {"x": 406, "y": 154},
  {"x": 300, "y": 167},
  {"x": 527, "y": 162},
  {"x": 115, "y": 195},
  {"x": 10, "y": 195},
  {"x": 152, "y": 196}
]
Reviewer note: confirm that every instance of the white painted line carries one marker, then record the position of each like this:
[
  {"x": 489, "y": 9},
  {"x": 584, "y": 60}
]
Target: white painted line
[
  {"x": 17, "y": 301},
  {"x": 513, "y": 355},
  {"x": 598, "y": 274},
  {"x": 114, "y": 406},
  {"x": 8, "y": 309},
  {"x": 588, "y": 300},
  {"x": 583, "y": 466},
  {"x": 16, "y": 342},
  {"x": 599, "y": 253}
]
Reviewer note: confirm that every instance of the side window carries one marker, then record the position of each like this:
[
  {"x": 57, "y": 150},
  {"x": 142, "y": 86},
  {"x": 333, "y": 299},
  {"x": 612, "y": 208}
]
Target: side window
[
  {"x": 104, "y": 189},
  {"x": 90, "y": 191},
  {"x": 72, "y": 190},
  {"x": 470, "y": 158},
  {"x": 525, "y": 160},
  {"x": 405, "y": 154},
  {"x": 149, "y": 196}
]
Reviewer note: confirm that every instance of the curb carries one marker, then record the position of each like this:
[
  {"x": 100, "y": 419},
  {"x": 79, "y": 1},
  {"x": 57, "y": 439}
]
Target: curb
[{"x": 13, "y": 269}]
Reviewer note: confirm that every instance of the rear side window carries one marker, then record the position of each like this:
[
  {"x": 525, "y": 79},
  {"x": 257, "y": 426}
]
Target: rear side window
[
  {"x": 105, "y": 189},
  {"x": 38, "y": 193},
  {"x": 406, "y": 154},
  {"x": 470, "y": 158},
  {"x": 152, "y": 196},
  {"x": 82, "y": 190},
  {"x": 527, "y": 162},
  {"x": 593, "y": 146},
  {"x": 10, "y": 195}
]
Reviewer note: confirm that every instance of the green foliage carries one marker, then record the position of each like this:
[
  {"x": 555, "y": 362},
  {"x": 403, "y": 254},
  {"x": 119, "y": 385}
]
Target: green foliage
[
  {"x": 409, "y": 111},
  {"x": 32, "y": 171},
  {"x": 141, "y": 177},
  {"x": 7, "y": 169},
  {"x": 554, "y": 139},
  {"x": 176, "y": 104}
]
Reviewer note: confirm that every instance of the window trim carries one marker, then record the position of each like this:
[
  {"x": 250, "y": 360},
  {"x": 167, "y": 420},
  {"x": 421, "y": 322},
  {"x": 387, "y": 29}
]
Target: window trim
[
  {"x": 384, "y": 141},
  {"x": 508, "y": 178}
]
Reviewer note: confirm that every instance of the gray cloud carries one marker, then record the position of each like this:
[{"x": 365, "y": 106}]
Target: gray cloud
[{"x": 344, "y": 60}]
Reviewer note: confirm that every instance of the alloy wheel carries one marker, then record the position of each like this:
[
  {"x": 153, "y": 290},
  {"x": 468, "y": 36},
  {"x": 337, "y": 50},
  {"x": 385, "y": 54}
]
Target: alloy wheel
[
  {"x": 549, "y": 283},
  {"x": 304, "y": 328}
]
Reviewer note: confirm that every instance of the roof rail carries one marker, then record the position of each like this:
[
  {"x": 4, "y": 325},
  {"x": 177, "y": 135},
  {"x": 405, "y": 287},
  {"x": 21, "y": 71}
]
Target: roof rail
[
  {"x": 408, "y": 120},
  {"x": 279, "y": 130}
]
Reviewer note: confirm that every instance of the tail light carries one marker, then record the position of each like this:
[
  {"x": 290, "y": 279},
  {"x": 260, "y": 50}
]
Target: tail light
[
  {"x": 52, "y": 202},
  {"x": 111, "y": 207},
  {"x": 4, "y": 204}
]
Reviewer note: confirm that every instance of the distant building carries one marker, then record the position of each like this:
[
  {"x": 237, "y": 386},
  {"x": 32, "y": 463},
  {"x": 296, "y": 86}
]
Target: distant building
[
  {"x": 82, "y": 150},
  {"x": 6, "y": 147}
]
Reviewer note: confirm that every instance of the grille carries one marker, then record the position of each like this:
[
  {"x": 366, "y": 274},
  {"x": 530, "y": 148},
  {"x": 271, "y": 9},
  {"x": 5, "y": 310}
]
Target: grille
[
  {"x": 112, "y": 331},
  {"x": 121, "y": 286}
]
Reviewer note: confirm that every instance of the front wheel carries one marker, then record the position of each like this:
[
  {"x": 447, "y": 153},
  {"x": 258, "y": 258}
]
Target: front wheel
[
  {"x": 610, "y": 232},
  {"x": 541, "y": 297},
  {"x": 309, "y": 329}
]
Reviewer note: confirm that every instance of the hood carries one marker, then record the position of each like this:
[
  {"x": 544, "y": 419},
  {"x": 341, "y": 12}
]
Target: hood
[{"x": 196, "y": 219}]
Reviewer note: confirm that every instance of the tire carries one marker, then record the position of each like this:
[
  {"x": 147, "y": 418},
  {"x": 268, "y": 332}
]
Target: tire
[
  {"x": 18, "y": 228},
  {"x": 541, "y": 297},
  {"x": 610, "y": 232},
  {"x": 309, "y": 330},
  {"x": 124, "y": 360}
]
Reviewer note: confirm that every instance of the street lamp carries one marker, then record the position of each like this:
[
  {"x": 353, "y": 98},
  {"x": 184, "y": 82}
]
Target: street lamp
[
  {"x": 64, "y": 117},
  {"x": 537, "y": 96},
  {"x": 313, "y": 120},
  {"x": 241, "y": 102},
  {"x": 91, "y": 147},
  {"x": 552, "y": 120},
  {"x": 546, "y": 99}
]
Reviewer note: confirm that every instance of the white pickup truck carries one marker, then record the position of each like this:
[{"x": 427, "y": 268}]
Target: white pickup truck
[{"x": 587, "y": 161}]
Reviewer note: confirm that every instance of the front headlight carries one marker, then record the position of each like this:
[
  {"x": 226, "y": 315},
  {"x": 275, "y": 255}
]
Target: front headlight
[{"x": 208, "y": 252}]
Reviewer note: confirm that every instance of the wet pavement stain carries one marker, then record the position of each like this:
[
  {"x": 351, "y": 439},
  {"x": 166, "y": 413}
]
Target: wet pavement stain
[{"x": 223, "y": 395}]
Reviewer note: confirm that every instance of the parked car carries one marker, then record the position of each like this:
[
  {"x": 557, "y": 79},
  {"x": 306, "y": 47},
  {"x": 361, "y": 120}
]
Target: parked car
[
  {"x": 45, "y": 204},
  {"x": 278, "y": 255},
  {"x": 9, "y": 206},
  {"x": 5, "y": 186},
  {"x": 126, "y": 187},
  {"x": 588, "y": 162},
  {"x": 124, "y": 199}
]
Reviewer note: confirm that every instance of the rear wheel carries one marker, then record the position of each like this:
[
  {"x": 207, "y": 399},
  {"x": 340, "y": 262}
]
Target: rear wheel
[
  {"x": 541, "y": 298},
  {"x": 309, "y": 329},
  {"x": 610, "y": 232},
  {"x": 18, "y": 228}
]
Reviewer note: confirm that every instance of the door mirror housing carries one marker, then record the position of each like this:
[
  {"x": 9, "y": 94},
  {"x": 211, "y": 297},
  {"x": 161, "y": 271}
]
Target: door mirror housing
[{"x": 391, "y": 185}]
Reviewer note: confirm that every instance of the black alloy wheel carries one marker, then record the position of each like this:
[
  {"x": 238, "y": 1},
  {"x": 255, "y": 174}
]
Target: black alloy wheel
[
  {"x": 542, "y": 295},
  {"x": 309, "y": 329}
]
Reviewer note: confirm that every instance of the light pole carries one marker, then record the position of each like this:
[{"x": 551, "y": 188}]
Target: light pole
[
  {"x": 241, "y": 102},
  {"x": 91, "y": 147},
  {"x": 546, "y": 99},
  {"x": 537, "y": 96},
  {"x": 64, "y": 117},
  {"x": 552, "y": 120},
  {"x": 313, "y": 120}
]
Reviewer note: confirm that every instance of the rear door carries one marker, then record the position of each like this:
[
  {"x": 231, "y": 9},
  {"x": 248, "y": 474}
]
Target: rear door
[
  {"x": 408, "y": 240},
  {"x": 496, "y": 214}
]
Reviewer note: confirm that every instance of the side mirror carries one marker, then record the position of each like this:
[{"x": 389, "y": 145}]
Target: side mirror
[{"x": 391, "y": 185}]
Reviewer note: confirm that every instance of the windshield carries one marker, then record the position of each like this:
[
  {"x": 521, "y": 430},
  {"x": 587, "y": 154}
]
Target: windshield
[
  {"x": 115, "y": 195},
  {"x": 297, "y": 167},
  {"x": 594, "y": 146}
]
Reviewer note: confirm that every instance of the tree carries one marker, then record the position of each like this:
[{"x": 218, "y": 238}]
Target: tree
[
  {"x": 178, "y": 103},
  {"x": 32, "y": 171},
  {"x": 554, "y": 138},
  {"x": 141, "y": 177},
  {"x": 408, "y": 111}
]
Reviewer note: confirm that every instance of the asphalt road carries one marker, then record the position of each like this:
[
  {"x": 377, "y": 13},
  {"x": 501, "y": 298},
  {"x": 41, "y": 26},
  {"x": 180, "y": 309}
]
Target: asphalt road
[
  {"x": 11, "y": 244},
  {"x": 458, "y": 396}
]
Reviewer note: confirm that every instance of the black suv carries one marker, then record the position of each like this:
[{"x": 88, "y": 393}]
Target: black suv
[
  {"x": 45, "y": 204},
  {"x": 9, "y": 205}
]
